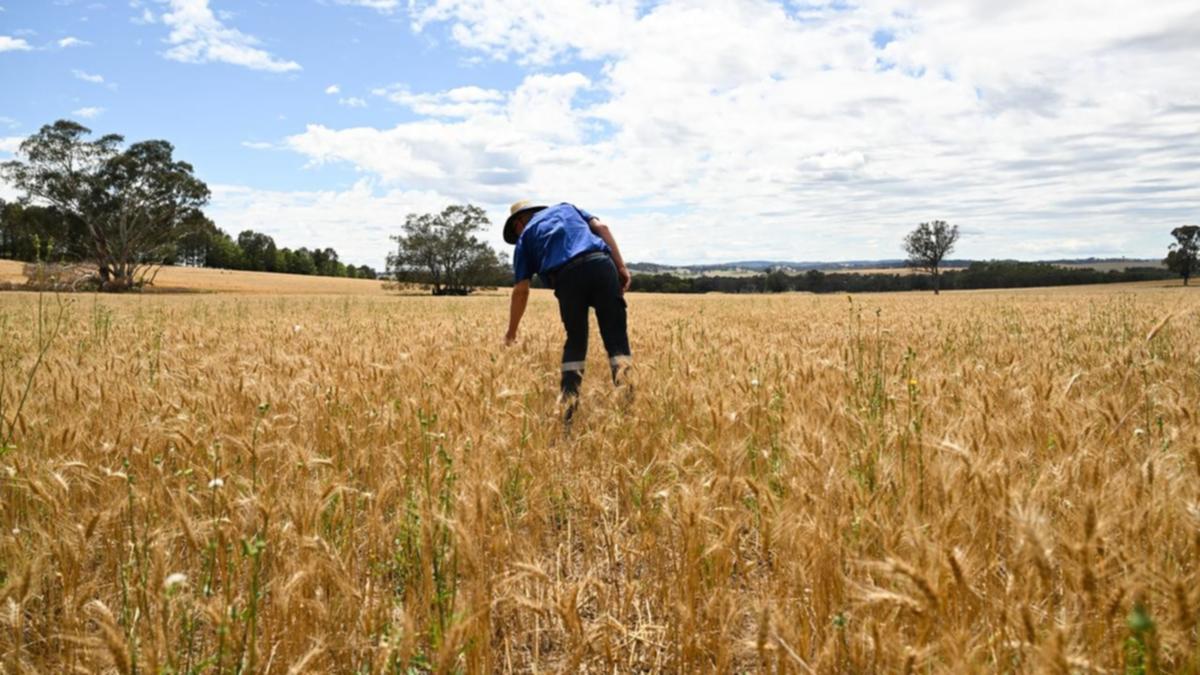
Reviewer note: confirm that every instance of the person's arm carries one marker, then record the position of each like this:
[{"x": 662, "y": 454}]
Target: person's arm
[
  {"x": 516, "y": 310},
  {"x": 601, "y": 230}
]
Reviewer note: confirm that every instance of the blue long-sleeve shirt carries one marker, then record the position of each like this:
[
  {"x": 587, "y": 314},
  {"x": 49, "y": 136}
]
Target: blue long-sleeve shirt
[{"x": 553, "y": 236}]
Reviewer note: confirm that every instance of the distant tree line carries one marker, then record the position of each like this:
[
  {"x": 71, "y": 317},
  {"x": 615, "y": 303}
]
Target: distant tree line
[
  {"x": 985, "y": 274},
  {"x": 209, "y": 246},
  {"x": 33, "y": 233}
]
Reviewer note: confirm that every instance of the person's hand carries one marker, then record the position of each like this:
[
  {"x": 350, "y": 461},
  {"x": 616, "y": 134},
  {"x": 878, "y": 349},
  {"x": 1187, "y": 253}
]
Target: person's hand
[
  {"x": 510, "y": 338},
  {"x": 625, "y": 276}
]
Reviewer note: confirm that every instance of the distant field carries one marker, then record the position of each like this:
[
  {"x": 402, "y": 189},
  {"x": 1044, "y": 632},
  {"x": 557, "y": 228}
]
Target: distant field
[
  {"x": 229, "y": 281},
  {"x": 10, "y": 272},
  {"x": 902, "y": 271}
]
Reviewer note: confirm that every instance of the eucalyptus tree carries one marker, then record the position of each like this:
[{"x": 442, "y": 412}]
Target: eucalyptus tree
[{"x": 133, "y": 204}]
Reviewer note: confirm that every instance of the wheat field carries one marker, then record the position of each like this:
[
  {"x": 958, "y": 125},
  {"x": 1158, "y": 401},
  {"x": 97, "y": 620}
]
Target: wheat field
[
  {"x": 171, "y": 279},
  {"x": 977, "y": 482}
]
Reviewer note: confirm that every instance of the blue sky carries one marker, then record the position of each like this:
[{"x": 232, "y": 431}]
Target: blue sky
[
  {"x": 702, "y": 130},
  {"x": 210, "y": 110}
]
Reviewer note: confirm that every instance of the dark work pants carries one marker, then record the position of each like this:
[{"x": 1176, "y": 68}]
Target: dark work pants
[{"x": 591, "y": 284}]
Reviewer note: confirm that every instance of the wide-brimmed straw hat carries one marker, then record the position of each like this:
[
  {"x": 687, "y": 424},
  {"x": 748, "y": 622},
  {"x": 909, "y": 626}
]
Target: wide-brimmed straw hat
[{"x": 523, "y": 206}]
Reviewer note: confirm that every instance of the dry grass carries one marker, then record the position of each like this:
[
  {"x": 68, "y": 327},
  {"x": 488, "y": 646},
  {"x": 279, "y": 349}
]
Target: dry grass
[
  {"x": 192, "y": 279},
  {"x": 12, "y": 272},
  {"x": 971, "y": 483},
  {"x": 229, "y": 281}
]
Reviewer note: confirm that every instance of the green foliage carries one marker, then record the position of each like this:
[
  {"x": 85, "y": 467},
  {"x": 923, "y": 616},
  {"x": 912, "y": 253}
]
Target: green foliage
[
  {"x": 982, "y": 274},
  {"x": 301, "y": 262},
  {"x": 777, "y": 281},
  {"x": 225, "y": 253},
  {"x": 1139, "y": 646},
  {"x": 31, "y": 233},
  {"x": 928, "y": 245},
  {"x": 441, "y": 250},
  {"x": 258, "y": 251},
  {"x": 1181, "y": 259}
]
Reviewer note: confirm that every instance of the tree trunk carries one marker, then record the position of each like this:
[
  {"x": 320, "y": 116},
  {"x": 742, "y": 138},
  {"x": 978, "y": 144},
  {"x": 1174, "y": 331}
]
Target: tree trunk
[
  {"x": 937, "y": 282},
  {"x": 116, "y": 278}
]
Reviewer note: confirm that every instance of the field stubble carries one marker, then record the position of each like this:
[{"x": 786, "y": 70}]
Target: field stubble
[{"x": 974, "y": 482}]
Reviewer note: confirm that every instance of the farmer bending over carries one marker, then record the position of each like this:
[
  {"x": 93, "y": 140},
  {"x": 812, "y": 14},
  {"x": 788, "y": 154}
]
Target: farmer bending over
[{"x": 576, "y": 255}]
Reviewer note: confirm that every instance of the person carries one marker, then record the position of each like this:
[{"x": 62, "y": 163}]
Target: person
[{"x": 575, "y": 254}]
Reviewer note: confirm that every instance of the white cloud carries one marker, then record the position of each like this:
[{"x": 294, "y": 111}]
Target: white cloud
[
  {"x": 816, "y": 132},
  {"x": 88, "y": 112},
  {"x": 145, "y": 18},
  {"x": 540, "y": 32},
  {"x": 9, "y": 122},
  {"x": 385, "y": 6},
  {"x": 481, "y": 157},
  {"x": 356, "y": 221},
  {"x": 198, "y": 36},
  {"x": 10, "y": 144},
  {"x": 258, "y": 145},
  {"x": 333, "y": 89},
  {"x": 88, "y": 77},
  {"x": 11, "y": 44},
  {"x": 72, "y": 42},
  {"x": 352, "y": 102},
  {"x": 460, "y": 102}
]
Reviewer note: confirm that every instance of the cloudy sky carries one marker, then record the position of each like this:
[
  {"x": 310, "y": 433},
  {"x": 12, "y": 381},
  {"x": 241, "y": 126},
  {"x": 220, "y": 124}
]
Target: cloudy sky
[{"x": 701, "y": 130}]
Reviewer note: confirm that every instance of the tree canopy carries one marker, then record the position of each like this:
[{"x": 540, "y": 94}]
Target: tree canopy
[
  {"x": 928, "y": 245},
  {"x": 441, "y": 250},
  {"x": 1181, "y": 258},
  {"x": 131, "y": 203}
]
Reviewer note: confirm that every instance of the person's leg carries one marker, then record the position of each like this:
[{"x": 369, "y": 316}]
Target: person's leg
[
  {"x": 573, "y": 309},
  {"x": 609, "y": 301}
]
